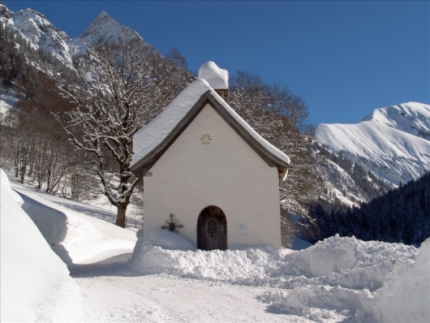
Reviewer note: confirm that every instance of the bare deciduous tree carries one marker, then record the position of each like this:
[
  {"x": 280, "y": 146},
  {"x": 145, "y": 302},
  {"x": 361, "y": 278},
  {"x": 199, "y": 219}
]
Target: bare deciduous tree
[
  {"x": 280, "y": 116},
  {"x": 121, "y": 87}
]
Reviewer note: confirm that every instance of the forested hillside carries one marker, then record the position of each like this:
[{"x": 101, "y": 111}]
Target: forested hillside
[
  {"x": 347, "y": 184},
  {"x": 21, "y": 62},
  {"x": 401, "y": 215}
]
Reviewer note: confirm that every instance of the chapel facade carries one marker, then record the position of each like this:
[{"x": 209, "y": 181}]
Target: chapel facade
[{"x": 207, "y": 174}]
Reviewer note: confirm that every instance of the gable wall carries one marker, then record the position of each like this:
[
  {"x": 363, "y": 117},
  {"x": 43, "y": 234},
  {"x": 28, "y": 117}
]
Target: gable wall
[{"x": 227, "y": 173}]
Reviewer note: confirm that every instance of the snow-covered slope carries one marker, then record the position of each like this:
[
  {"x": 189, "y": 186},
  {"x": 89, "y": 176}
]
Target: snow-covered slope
[
  {"x": 35, "y": 28},
  {"x": 5, "y": 15},
  {"x": 391, "y": 142},
  {"x": 411, "y": 117}
]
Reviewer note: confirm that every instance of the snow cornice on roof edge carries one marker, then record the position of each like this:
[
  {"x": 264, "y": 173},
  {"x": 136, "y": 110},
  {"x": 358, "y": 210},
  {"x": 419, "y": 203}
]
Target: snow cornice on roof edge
[{"x": 155, "y": 138}]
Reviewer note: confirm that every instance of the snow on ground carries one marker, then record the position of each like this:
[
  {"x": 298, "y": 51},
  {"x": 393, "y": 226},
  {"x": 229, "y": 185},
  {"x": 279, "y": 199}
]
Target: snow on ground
[
  {"x": 100, "y": 206},
  {"x": 339, "y": 278},
  {"x": 8, "y": 100},
  {"x": 75, "y": 237},
  {"x": 166, "y": 279},
  {"x": 35, "y": 283}
]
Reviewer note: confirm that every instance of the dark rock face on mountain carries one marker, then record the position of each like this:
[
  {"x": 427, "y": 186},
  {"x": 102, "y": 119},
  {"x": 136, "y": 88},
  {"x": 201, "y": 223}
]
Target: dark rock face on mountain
[{"x": 104, "y": 29}]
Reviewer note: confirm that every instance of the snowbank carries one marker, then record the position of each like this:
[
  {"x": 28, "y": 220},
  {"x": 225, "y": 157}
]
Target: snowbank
[
  {"x": 35, "y": 283},
  {"x": 370, "y": 281},
  {"x": 246, "y": 266},
  {"x": 76, "y": 237},
  {"x": 51, "y": 222},
  {"x": 405, "y": 296},
  {"x": 335, "y": 279}
]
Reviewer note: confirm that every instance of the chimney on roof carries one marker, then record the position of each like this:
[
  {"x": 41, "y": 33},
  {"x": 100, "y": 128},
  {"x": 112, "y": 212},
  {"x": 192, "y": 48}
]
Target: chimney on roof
[{"x": 216, "y": 77}]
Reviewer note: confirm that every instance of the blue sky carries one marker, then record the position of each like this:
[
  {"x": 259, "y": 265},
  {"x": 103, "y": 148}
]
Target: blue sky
[{"x": 343, "y": 58}]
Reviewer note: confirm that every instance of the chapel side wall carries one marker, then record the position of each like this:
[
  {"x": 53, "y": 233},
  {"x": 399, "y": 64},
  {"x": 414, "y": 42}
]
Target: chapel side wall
[{"x": 227, "y": 173}]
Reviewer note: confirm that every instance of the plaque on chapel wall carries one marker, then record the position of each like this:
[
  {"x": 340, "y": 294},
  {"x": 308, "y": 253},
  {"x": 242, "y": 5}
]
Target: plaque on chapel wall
[{"x": 242, "y": 227}]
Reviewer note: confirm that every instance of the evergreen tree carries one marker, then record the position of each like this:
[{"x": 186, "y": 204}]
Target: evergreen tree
[{"x": 401, "y": 215}]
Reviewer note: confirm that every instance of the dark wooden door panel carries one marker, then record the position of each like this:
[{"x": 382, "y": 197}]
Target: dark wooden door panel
[{"x": 212, "y": 229}]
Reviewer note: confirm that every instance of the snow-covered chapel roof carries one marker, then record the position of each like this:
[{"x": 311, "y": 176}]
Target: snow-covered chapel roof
[{"x": 152, "y": 140}]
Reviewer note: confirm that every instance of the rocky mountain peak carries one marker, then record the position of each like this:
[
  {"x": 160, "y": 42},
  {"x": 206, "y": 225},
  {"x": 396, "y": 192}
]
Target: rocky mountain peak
[
  {"x": 35, "y": 23},
  {"x": 410, "y": 117},
  {"x": 105, "y": 29},
  {"x": 5, "y": 13}
]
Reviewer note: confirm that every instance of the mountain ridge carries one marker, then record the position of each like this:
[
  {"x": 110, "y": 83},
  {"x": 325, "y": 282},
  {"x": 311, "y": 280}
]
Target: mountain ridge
[
  {"x": 391, "y": 142},
  {"x": 410, "y": 117},
  {"x": 105, "y": 29},
  {"x": 34, "y": 27}
]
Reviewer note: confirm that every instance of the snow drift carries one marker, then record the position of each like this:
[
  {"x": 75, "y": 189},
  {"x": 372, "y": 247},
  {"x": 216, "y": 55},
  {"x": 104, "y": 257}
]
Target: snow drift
[
  {"x": 245, "y": 266},
  {"x": 35, "y": 283},
  {"x": 75, "y": 237},
  {"x": 357, "y": 279},
  {"x": 405, "y": 296},
  {"x": 338, "y": 277}
]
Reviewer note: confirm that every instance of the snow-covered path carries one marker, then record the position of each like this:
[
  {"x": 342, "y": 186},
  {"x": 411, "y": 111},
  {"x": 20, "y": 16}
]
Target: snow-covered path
[
  {"x": 119, "y": 275},
  {"x": 113, "y": 294}
]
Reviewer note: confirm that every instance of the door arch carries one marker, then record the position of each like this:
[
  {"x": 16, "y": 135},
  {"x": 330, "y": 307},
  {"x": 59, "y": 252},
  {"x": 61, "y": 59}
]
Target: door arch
[{"x": 212, "y": 229}]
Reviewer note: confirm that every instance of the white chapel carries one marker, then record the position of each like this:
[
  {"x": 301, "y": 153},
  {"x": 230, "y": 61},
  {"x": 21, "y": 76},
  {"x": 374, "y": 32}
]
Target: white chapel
[{"x": 207, "y": 174}]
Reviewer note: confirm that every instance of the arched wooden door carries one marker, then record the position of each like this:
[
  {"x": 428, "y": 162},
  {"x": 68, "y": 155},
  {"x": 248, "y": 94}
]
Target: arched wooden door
[{"x": 212, "y": 229}]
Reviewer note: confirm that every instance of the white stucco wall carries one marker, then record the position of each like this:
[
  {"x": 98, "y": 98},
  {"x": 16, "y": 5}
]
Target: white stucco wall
[{"x": 226, "y": 173}]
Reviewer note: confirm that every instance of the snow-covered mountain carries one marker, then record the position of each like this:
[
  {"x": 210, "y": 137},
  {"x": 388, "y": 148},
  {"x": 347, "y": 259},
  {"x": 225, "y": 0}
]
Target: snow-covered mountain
[
  {"x": 42, "y": 34},
  {"x": 411, "y": 117},
  {"x": 393, "y": 142}
]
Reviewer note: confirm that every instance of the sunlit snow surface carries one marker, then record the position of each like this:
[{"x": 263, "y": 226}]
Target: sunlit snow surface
[
  {"x": 166, "y": 280},
  {"x": 7, "y": 101},
  {"x": 393, "y": 142},
  {"x": 216, "y": 77},
  {"x": 35, "y": 283}
]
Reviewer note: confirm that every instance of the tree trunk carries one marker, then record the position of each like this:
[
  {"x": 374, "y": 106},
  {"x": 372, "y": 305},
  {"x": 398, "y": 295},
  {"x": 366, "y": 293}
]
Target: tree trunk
[
  {"x": 23, "y": 171},
  {"x": 48, "y": 182},
  {"x": 120, "y": 217},
  {"x": 16, "y": 163}
]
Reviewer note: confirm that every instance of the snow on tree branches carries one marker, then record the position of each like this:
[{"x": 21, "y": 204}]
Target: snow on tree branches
[{"x": 121, "y": 87}]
